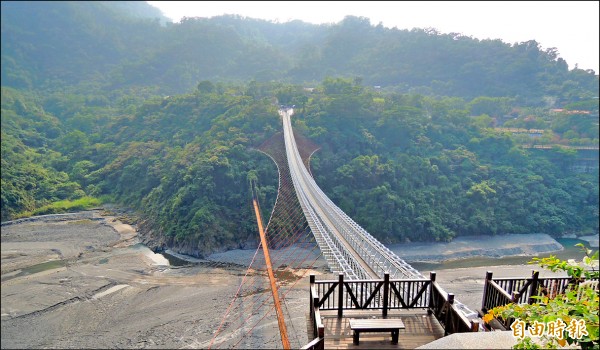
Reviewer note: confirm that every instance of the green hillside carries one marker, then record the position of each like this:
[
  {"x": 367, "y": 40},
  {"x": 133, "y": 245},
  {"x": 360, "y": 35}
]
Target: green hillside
[{"x": 109, "y": 103}]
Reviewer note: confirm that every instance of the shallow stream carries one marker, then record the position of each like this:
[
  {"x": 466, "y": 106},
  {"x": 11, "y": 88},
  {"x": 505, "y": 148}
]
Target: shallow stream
[{"x": 570, "y": 252}]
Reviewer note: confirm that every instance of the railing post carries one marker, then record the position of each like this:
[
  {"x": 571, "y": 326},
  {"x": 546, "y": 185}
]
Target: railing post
[
  {"x": 340, "y": 295},
  {"x": 386, "y": 292},
  {"x": 321, "y": 334},
  {"x": 488, "y": 278},
  {"x": 533, "y": 291},
  {"x": 474, "y": 325},
  {"x": 432, "y": 279},
  {"x": 515, "y": 297},
  {"x": 310, "y": 296},
  {"x": 315, "y": 302},
  {"x": 447, "y": 323}
]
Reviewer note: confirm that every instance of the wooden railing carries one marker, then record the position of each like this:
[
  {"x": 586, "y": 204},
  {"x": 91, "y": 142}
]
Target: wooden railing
[
  {"x": 442, "y": 305},
  {"x": 503, "y": 291},
  {"x": 386, "y": 295},
  {"x": 382, "y": 295},
  {"x": 318, "y": 343}
]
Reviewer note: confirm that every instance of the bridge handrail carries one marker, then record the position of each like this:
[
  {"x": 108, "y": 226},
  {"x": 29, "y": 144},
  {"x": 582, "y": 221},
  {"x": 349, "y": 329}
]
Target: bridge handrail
[
  {"x": 318, "y": 230},
  {"x": 355, "y": 235},
  {"x": 361, "y": 241},
  {"x": 367, "y": 239},
  {"x": 342, "y": 257},
  {"x": 322, "y": 236}
]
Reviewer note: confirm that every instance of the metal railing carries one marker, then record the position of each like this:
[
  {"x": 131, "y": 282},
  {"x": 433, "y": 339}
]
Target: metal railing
[{"x": 346, "y": 246}]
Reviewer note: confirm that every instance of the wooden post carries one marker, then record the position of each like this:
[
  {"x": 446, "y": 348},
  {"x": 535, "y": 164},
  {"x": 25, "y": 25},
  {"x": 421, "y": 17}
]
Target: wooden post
[
  {"x": 447, "y": 323},
  {"x": 533, "y": 290},
  {"x": 515, "y": 297},
  {"x": 386, "y": 292},
  {"x": 321, "y": 334},
  {"x": 340, "y": 295},
  {"x": 315, "y": 302},
  {"x": 488, "y": 278},
  {"x": 474, "y": 325},
  {"x": 432, "y": 279},
  {"x": 310, "y": 296}
]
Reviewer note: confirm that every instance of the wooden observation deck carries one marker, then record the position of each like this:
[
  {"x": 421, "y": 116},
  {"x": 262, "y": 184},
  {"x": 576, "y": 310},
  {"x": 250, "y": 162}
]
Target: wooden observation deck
[{"x": 427, "y": 311}]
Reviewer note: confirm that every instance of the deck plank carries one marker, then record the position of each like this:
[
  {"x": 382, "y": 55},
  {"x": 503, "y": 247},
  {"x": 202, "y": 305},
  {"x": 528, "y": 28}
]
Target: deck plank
[{"x": 420, "y": 329}]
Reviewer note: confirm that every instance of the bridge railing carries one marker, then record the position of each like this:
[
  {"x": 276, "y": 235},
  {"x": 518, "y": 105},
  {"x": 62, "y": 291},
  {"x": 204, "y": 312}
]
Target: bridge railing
[
  {"x": 385, "y": 295},
  {"x": 334, "y": 230}
]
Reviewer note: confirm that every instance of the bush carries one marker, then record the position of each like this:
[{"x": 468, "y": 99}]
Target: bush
[{"x": 570, "y": 317}]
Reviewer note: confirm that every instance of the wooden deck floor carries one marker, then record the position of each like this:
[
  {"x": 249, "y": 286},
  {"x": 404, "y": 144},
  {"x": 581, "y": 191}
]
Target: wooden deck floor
[{"x": 421, "y": 329}]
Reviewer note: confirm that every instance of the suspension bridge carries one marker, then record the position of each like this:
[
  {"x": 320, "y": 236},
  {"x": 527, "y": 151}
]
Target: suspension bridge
[
  {"x": 304, "y": 226},
  {"x": 346, "y": 246}
]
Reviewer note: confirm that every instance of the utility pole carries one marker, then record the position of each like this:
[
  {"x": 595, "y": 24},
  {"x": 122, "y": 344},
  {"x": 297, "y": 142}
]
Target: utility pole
[{"x": 263, "y": 239}]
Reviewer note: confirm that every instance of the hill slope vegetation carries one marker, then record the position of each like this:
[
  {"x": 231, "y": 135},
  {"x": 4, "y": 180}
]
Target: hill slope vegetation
[{"x": 109, "y": 103}]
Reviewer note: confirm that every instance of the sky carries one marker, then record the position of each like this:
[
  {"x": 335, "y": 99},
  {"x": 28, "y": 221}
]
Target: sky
[{"x": 572, "y": 27}]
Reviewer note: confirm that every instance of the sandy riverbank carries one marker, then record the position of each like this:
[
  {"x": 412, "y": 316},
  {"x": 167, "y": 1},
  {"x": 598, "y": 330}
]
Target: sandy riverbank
[{"x": 82, "y": 281}]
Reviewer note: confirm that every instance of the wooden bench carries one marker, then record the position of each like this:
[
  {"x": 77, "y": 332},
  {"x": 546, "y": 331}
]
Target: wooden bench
[{"x": 376, "y": 325}]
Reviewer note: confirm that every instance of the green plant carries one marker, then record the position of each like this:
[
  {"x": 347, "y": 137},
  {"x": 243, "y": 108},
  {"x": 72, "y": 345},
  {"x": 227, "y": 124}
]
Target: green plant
[
  {"x": 570, "y": 317},
  {"x": 588, "y": 268},
  {"x": 83, "y": 203}
]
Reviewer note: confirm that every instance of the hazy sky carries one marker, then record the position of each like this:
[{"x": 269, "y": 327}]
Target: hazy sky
[{"x": 570, "y": 26}]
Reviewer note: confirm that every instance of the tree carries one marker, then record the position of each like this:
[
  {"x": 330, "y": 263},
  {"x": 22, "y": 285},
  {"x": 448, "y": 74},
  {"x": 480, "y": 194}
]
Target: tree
[{"x": 206, "y": 86}]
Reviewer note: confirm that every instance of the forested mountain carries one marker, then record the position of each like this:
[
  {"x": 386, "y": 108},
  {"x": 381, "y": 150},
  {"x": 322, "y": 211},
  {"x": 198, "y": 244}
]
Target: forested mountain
[
  {"x": 107, "y": 103},
  {"x": 56, "y": 43}
]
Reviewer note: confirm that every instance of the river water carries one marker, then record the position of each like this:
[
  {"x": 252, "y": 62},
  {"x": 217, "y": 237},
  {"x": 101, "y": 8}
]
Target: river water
[{"x": 570, "y": 251}]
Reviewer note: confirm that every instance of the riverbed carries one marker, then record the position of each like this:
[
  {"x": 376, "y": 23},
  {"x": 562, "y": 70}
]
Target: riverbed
[{"x": 84, "y": 280}]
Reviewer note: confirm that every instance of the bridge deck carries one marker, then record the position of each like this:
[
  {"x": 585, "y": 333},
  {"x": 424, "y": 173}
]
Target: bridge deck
[{"x": 421, "y": 329}]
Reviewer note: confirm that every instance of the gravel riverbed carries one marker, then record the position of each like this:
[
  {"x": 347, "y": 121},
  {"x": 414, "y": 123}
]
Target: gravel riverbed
[{"x": 83, "y": 280}]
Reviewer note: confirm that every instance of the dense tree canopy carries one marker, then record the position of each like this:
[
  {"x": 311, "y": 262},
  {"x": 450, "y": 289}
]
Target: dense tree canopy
[
  {"x": 50, "y": 43},
  {"x": 98, "y": 104}
]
